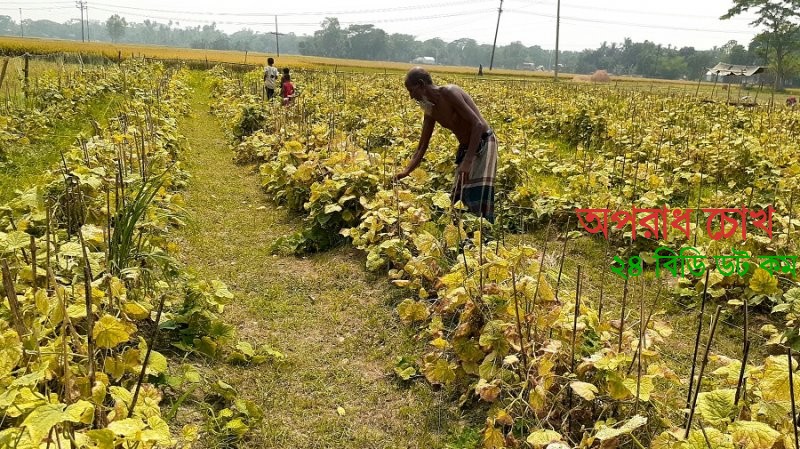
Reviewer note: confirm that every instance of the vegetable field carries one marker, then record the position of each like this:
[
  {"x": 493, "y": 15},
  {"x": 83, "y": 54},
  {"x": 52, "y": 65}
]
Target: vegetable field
[{"x": 525, "y": 326}]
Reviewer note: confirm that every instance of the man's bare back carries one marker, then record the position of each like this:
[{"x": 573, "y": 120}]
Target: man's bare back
[{"x": 444, "y": 113}]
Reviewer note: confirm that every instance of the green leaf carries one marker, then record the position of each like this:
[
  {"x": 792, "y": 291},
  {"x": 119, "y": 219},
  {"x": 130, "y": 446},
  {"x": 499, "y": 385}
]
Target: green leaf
[
  {"x": 584, "y": 390},
  {"x": 544, "y": 437},
  {"x": 42, "y": 419},
  {"x": 763, "y": 283},
  {"x": 716, "y": 407},
  {"x": 753, "y": 435},
  {"x": 607, "y": 433},
  {"x": 109, "y": 332}
]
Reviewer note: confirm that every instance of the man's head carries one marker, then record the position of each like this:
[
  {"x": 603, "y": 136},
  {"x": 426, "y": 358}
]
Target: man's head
[
  {"x": 419, "y": 84},
  {"x": 417, "y": 80},
  {"x": 270, "y": 61}
]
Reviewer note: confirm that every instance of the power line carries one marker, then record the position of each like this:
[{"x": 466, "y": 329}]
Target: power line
[
  {"x": 264, "y": 23},
  {"x": 303, "y": 13},
  {"x": 630, "y": 11},
  {"x": 633, "y": 24}
]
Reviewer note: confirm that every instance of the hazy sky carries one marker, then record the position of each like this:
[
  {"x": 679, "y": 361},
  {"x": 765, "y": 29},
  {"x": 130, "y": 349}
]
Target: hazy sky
[{"x": 584, "y": 24}]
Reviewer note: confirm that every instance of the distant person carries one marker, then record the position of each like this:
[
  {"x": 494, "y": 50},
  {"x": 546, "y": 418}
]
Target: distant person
[
  {"x": 270, "y": 77},
  {"x": 287, "y": 89},
  {"x": 285, "y": 74},
  {"x": 480, "y": 69},
  {"x": 791, "y": 101},
  {"x": 476, "y": 159}
]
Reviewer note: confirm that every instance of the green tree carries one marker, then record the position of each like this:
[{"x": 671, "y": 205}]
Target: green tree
[
  {"x": 782, "y": 35},
  {"x": 116, "y": 27}
]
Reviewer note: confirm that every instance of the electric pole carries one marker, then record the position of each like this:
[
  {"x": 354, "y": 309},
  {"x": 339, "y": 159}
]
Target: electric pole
[
  {"x": 558, "y": 26},
  {"x": 276, "y": 33},
  {"x": 21, "y": 31},
  {"x": 86, "y": 7},
  {"x": 497, "y": 28},
  {"x": 81, "y": 4}
]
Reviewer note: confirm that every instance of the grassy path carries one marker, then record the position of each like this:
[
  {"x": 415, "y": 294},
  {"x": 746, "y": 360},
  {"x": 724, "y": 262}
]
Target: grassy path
[{"x": 332, "y": 320}]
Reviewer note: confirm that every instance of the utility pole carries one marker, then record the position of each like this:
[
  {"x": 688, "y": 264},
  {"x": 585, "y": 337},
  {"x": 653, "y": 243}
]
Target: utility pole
[
  {"x": 86, "y": 7},
  {"x": 81, "y": 4},
  {"x": 21, "y": 31},
  {"x": 558, "y": 27},
  {"x": 276, "y": 33},
  {"x": 497, "y": 28},
  {"x": 277, "y": 48}
]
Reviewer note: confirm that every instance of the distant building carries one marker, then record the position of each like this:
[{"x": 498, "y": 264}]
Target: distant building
[
  {"x": 729, "y": 72},
  {"x": 424, "y": 60}
]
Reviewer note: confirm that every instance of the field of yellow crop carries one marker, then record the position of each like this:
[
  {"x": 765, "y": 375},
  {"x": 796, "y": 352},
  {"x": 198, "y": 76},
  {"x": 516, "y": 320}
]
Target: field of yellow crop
[{"x": 16, "y": 46}]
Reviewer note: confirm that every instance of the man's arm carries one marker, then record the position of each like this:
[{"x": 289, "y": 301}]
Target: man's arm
[
  {"x": 424, "y": 139},
  {"x": 456, "y": 97}
]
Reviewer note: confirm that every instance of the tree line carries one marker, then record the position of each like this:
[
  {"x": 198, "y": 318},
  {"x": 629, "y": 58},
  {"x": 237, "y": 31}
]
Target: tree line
[{"x": 778, "y": 47}]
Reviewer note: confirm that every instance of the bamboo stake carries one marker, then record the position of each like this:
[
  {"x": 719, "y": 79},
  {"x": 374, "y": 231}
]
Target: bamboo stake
[
  {"x": 740, "y": 382},
  {"x": 697, "y": 339},
  {"x": 791, "y": 394},
  {"x": 702, "y": 369},
  {"x": 150, "y": 345},
  {"x": 13, "y": 303}
]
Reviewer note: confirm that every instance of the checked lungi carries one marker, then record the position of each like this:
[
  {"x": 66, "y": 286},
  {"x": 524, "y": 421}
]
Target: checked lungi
[{"x": 477, "y": 193}]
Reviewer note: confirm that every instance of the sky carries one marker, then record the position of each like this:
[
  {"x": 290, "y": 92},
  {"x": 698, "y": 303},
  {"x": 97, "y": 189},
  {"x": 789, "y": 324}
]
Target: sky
[{"x": 584, "y": 23}]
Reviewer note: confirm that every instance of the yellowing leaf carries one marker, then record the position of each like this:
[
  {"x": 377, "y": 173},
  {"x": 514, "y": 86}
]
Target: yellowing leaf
[
  {"x": 42, "y": 419},
  {"x": 753, "y": 435},
  {"x": 157, "y": 363},
  {"x": 645, "y": 387},
  {"x": 411, "y": 311},
  {"x": 584, "y": 390},
  {"x": 716, "y": 406},
  {"x": 763, "y": 283},
  {"x": 128, "y": 427},
  {"x": 340, "y": 411},
  {"x": 775, "y": 380},
  {"x": 493, "y": 438},
  {"x": 80, "y": 412},
  {"x": 136, "y": 310},
  {"x": 607, "y": 433},
  {"x": 109, "y": 332},
  {"x": 544, "y": 437},
  {"x": 441, "y": 200},
  {"x": 440, "y": 372}
]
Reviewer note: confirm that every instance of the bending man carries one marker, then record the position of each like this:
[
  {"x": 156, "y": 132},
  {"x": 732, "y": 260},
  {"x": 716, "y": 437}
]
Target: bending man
[{"x": 476, "y": 159}]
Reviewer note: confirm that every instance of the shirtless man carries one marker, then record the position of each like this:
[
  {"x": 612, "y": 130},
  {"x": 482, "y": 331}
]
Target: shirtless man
[{"x": 476, "y": 159}]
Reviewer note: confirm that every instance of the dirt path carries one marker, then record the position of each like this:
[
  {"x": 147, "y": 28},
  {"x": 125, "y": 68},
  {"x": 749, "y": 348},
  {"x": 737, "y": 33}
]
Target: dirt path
[{"x": 332, "y": 320}]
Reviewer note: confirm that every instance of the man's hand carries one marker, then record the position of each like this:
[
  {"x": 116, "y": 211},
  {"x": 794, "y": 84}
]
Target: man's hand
[{"x": 464, "y": 170}]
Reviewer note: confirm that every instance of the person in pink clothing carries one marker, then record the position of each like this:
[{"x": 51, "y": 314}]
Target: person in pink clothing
[{"x": 287, "y": 89}]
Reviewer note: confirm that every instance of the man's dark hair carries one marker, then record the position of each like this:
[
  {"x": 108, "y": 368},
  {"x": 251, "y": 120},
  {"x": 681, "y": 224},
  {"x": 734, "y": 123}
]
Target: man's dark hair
[
  {"x": 416, "y": 75},
  {"x": 270, "y": 61},
  {"x": 286, "y": 70}
]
